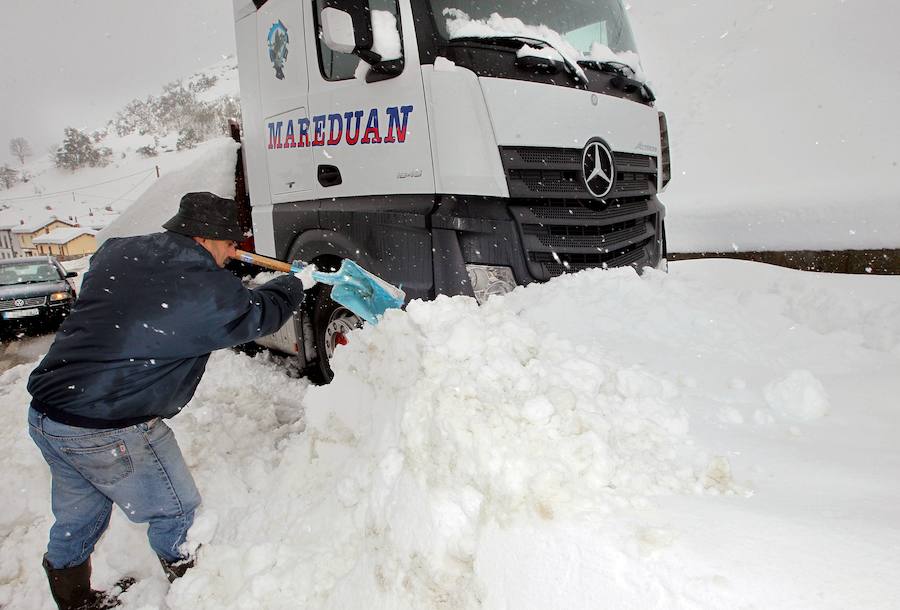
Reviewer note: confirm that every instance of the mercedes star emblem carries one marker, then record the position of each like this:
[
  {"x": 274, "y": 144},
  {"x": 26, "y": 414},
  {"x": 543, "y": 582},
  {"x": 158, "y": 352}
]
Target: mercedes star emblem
[
  {"x": 18, "y": 302},
  {"x": 598, "y": 168}
]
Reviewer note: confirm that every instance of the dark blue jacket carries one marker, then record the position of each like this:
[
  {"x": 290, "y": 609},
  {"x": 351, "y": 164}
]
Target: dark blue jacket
[{"x": 150, "y": 311}]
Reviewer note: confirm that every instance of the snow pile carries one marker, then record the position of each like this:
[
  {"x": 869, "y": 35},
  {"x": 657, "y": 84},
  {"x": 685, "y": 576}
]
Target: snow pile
[
  {"x": 492, "y": 411},
  {"x": 385, "y": 40},
  {"x": 386, "y": 36},
  {"x": 799, "y": 396},
  {"x": 445, "y": 420},
  {"x": 598, "y": 441},
  {"x": 542, "y": 53}
]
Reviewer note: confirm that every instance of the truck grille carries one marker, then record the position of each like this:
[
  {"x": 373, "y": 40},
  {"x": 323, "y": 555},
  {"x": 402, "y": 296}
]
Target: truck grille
[
  {"x": 538, "y": 171},
  {"x": 30, "y": 302},
  {"x": 563, "y": 228}
]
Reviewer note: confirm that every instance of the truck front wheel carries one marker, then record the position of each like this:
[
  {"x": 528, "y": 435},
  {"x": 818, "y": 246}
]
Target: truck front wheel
[{"x": 331, "y": 325}]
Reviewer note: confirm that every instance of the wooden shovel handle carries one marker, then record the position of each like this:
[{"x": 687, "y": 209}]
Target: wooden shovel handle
[{"x": 264, "y": 261}]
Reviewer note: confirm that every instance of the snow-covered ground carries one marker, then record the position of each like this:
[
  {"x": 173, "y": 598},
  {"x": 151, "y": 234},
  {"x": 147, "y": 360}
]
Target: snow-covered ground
[{"x": 720, "y": 437}]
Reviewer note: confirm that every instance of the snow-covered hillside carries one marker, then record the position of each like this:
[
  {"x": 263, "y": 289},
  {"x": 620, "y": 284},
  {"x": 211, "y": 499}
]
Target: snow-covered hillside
[
  {"x": 95, "y": 196},
  {"x": 732, "y": 445}
]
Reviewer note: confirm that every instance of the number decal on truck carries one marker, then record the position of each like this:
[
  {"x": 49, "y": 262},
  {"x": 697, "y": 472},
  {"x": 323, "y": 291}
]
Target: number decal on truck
[{"x": 346, "y": 128}]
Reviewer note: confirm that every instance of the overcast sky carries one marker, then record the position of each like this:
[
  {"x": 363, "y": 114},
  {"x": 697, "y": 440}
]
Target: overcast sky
[{"x": 76, "y": 62}]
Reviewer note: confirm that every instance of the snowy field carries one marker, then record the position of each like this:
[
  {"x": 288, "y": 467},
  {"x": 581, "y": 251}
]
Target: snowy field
[
  {"x": 771, "y": 148},
  {"x": 720, "y": 437}
]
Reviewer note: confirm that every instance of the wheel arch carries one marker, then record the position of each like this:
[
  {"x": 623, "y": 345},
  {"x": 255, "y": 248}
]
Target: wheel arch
[{"x": 326, "y": 249}]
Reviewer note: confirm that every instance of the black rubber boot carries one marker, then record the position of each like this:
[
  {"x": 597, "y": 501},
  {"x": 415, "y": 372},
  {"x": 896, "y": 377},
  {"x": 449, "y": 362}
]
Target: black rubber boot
[
  {"x": 176, "y": 569},
  {"x": 71, "y": 588}
]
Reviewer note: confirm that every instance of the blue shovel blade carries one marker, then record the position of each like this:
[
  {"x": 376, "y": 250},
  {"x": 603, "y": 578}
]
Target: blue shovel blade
[{"x": 361, "y": 292}]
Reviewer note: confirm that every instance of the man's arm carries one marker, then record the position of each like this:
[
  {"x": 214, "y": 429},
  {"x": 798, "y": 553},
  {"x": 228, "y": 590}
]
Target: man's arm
[{"x": 257, "y": 312}]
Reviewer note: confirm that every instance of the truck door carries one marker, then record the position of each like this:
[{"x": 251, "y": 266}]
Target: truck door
[
  {"x": 369, "y": 138},
  {"x": 284, "y": 85}
]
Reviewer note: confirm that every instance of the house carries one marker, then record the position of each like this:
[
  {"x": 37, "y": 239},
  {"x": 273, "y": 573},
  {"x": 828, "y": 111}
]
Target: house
[
  {"x": 66, "y": 243},
  {"x": 7, "y": 249},
  {"x": 24, "y": 233}
]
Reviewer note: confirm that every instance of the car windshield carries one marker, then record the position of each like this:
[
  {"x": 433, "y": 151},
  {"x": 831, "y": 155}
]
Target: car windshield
[
  {"x": 24, "y": 273},
  {"x": 583, "y": 29}
]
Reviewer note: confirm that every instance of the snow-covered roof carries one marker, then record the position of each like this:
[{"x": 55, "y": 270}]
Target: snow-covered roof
[
  {"x": 37, "y": 224},
  {"x": 98, "y": 222},
  {"x": 63, "y": 236}
]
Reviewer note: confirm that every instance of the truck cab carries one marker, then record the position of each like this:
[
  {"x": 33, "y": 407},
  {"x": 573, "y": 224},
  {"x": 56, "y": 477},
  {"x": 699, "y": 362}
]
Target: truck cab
[{"x": 449, "y": 146}]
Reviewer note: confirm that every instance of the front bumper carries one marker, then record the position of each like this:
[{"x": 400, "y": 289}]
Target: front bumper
[{"x": 33, "y": 312}]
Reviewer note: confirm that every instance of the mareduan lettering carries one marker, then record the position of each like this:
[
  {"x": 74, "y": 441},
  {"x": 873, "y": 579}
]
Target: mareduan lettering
[{"x": 354, "y": 127}]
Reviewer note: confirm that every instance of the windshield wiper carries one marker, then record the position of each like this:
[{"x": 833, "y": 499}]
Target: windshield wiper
[
  {"x": 624, "y": 77},
  {"x": 573, "y": 68},
  {"x": 612, "y": 67}
]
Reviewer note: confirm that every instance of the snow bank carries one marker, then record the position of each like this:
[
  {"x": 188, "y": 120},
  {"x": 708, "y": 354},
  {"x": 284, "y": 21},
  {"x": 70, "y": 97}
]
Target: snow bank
[
  {"x": 212, "y": 171},
  {"x": 590, "y": 442}
]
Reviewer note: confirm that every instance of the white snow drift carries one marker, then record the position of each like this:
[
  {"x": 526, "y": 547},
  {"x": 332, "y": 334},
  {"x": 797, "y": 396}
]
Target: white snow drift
[{"x": 723, "y": 436}]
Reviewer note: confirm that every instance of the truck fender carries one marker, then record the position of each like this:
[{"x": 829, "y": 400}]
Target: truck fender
[{"x": 325, "y": 247}]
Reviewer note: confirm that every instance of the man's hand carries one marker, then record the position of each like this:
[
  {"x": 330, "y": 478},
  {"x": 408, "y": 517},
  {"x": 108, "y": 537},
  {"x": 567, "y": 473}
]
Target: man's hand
[{"x": 305, "y": 276}]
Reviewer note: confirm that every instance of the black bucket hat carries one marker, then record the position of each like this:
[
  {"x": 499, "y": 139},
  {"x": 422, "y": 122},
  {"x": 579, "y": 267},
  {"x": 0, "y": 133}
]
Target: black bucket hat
[{"x": 206, "y": 215}]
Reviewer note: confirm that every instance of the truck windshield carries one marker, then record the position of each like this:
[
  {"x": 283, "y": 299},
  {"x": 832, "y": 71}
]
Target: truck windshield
[{"x": 582, "y": 29}]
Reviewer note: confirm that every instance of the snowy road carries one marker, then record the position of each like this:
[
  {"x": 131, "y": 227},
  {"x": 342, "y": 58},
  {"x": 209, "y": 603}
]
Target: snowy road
[
  {"x": 23, "y": 350},
  {"x": 721, "y": 437}
]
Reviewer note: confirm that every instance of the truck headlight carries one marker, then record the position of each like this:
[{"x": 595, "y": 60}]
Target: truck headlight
[
  {"x": 59, "y": 296},
  {"x": 488, "y": 280}
]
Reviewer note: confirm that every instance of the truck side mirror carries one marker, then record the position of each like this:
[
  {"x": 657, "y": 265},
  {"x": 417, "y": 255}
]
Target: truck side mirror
[
  {"x": 347, "y": 28},
  {"x": 337, "y": 31}
]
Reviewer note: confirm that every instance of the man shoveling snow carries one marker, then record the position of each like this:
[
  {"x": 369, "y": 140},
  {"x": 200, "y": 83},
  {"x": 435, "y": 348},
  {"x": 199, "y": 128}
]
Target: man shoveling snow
[{"x": 151, "y": 310}]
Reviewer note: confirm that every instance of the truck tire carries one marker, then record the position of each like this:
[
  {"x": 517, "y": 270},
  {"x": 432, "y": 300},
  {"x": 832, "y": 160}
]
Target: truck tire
[{"x": 331, "y": 323}]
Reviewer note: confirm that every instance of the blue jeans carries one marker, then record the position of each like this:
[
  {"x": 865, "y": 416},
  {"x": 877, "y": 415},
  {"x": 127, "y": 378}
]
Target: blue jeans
[{"x": 140, "y": 468}]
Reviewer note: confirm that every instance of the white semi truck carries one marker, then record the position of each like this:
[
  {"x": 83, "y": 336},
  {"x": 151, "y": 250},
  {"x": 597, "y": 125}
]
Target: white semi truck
[{"x": 449, "y": 146}]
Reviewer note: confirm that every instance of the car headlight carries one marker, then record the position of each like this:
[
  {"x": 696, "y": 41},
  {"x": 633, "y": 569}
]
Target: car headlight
[
  {"x": 60, "y": 296},
  {"x": 488, "y": 280}
]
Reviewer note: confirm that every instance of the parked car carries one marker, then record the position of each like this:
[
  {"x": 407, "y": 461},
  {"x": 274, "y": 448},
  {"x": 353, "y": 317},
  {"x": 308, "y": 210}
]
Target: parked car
[{"x": 34, "y": 292}]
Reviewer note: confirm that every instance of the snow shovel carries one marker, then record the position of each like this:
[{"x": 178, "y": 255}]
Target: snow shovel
[{"x": 366, "y": 295}]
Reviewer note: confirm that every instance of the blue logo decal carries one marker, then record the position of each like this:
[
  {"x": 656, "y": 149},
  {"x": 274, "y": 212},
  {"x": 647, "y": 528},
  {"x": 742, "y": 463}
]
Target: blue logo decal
[{"x": 278, "y": 48}]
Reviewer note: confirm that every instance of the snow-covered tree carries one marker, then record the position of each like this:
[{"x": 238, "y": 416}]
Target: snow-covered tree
[
  {"x": 78, "y": 151},
  {"x": 138, "y": 115},
  {"x": 20, "y": 148},
  {"x": 179, "y": 110},
  {"x": 8, "y": 176},
  {"x": 202, "y": 83},
  {"x": 148, "y": 151},
  {"x": 187, "y": 138}
]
